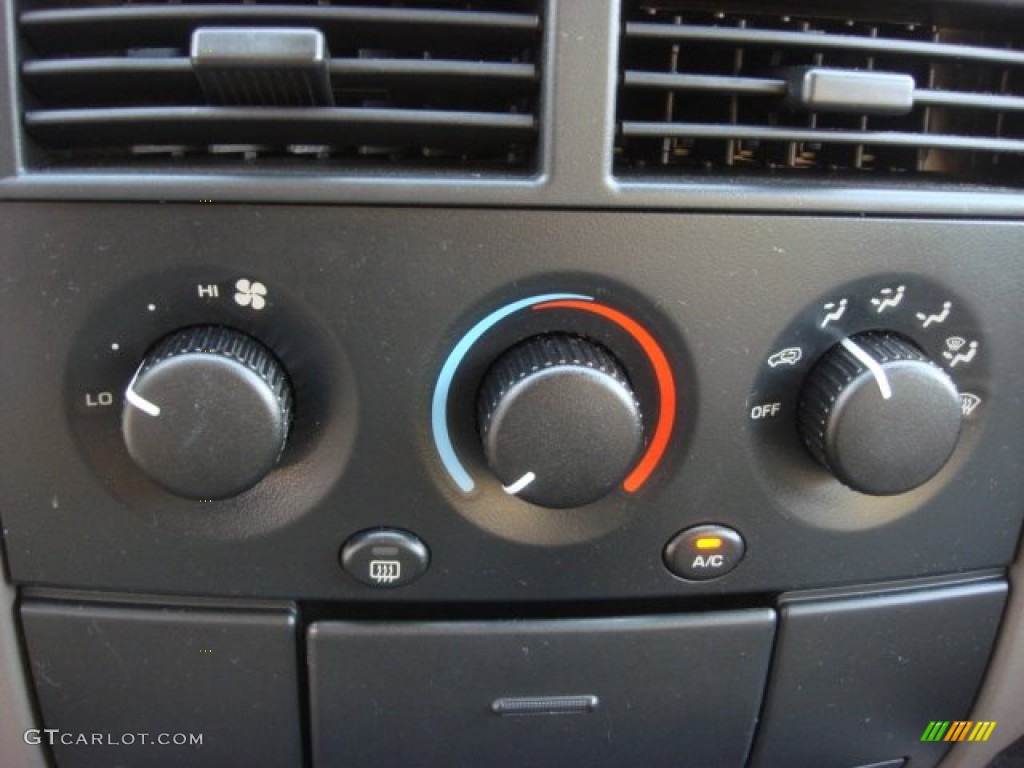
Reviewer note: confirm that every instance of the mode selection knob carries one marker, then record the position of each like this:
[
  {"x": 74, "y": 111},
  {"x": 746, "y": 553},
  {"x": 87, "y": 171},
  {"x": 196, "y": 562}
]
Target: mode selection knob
[
  {"x": 879, "y": 414},
  {"x": 207, "y": 414},
  {"x": 559, "y": 421}
]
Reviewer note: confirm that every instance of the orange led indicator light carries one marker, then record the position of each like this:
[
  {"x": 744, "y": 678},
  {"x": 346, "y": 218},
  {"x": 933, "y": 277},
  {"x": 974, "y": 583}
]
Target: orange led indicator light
[{"x": 709, "y": 542}]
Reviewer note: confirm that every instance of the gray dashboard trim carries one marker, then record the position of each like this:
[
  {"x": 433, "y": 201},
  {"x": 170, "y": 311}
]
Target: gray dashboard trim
[
  {"x": 1000, "y": 697},
  {"x": 16, "y": 715}
]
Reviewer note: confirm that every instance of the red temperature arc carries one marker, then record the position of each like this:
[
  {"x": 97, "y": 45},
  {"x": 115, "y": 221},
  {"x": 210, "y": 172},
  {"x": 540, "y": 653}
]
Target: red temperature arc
[{"x": 662, "y": 373}]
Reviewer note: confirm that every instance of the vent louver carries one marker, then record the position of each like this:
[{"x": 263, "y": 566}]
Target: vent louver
[
  {"x": 771, "y": 90},
  {"x": 426, "y": 84}
]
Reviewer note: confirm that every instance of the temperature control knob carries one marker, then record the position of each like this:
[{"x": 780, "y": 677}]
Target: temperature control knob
[
  {"x": 207, "y": 414},
  {"x": 559, "y": 421},
  {"x": 879, "y": 414}
]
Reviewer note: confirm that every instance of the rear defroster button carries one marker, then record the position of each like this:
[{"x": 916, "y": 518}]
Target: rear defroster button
[
  {"x": 385, "y": 557},
  {"x": 704, "y": 552}
]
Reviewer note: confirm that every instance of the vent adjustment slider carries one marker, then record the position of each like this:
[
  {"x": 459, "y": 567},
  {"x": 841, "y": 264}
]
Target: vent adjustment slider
[
  {"x": 822, "y": 89},
  {"x": 262, "y": 66}
]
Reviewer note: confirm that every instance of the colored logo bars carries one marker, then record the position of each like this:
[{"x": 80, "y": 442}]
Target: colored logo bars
[{"x": 958, "y": 730}]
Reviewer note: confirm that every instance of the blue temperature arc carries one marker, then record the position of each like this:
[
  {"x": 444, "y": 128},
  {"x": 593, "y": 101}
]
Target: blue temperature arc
[{"x": 439, "y": 404}]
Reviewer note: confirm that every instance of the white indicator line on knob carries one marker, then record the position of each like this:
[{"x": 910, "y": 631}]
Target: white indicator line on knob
[
  {"x": 519, "y": 484},
  {"x": 872, "y": 365},
  {"x": 138, "y": 400}
]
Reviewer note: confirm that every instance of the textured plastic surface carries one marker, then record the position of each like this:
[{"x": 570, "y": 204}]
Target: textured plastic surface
[
  {"x": 208, "y": 412},
  {"x": 879, "y": 414},
  {"x": 124, "y": 671},
  {"x": 559, "y": 423},
  {"x": 363, "y": 309},
  {"x": 656, "y": 692},
  {"x": 857, "y": 679}
]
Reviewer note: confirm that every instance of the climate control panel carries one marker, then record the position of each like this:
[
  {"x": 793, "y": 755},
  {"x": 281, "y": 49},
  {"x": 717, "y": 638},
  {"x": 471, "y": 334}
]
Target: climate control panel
[{"x": 317, "y": 404}]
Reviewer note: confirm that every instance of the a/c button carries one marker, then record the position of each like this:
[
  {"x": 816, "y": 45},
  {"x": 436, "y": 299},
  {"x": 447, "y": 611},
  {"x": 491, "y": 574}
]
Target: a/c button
[{"x": 704, "y": 552}]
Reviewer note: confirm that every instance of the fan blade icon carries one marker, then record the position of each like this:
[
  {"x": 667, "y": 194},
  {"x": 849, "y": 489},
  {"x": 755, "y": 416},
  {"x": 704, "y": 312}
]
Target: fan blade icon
[{"x": 250, "y": 294}]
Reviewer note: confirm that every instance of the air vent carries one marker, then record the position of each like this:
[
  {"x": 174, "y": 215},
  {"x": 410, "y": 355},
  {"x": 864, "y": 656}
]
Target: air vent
[
  {"x": 388, "y": 85},
  {"x": 782, "y": 92}
]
